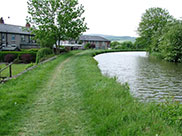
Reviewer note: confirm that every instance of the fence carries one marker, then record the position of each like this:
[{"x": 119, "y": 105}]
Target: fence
[{"x": 10, "y": 70}]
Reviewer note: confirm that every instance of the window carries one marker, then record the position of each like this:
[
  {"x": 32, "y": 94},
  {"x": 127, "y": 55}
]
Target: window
[
  {"x": 32, "y": 39},
  {"x": 3, "y": 37},
  {"x": 22, "y": 38},
  {"x": 13, "y": 37}
]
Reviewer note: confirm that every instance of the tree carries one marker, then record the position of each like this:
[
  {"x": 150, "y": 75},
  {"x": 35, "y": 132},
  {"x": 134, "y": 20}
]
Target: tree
[
  {"x": 140, "y": 43},
  {"x": 114, "y": 44},
  {"x": 55, "y": 20},
  {"x": 151, "y": 26},
  {"x": 171, "y": 44}
]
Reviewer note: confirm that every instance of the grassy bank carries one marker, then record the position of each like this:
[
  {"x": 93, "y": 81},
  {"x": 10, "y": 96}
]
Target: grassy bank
[
  {"x": 114, "y": 111},
  {"x": 17, "y": 94},
  {"x": 72, "y": 97}
]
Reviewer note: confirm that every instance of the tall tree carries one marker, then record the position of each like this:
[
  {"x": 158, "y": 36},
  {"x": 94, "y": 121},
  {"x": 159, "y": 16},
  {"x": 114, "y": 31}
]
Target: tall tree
[
  {"x": 151, "y": 26},
  {"x": 56, "y": 20}
]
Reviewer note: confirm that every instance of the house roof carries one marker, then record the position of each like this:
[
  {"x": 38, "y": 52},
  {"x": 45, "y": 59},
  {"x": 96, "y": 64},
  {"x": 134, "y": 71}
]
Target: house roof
[
  {"x": 6, "y": 28},
  {"x": 93, "y": 38}
]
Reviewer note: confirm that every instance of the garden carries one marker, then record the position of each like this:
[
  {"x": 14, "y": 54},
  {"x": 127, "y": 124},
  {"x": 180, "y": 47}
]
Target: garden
[{"x": 15, "y": 62}]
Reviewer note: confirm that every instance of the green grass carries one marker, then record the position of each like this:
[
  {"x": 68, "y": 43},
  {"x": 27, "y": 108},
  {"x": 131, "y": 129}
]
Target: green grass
[
  {"x": 70, "y": 96},
  {"x": 18, "y": 94},
  {"x": 16, "y": 69}
]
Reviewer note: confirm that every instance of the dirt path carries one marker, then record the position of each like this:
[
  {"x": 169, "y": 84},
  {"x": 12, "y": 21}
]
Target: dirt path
[{"x": 57, "y": 109}]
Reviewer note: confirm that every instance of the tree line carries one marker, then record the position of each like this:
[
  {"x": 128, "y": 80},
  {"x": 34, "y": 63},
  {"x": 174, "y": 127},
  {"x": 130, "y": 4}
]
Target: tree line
[{"x": 160, "y": 33}]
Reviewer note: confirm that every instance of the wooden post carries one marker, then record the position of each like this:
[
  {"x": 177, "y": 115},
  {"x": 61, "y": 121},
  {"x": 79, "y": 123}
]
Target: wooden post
[{"x": 10, "y": 71}]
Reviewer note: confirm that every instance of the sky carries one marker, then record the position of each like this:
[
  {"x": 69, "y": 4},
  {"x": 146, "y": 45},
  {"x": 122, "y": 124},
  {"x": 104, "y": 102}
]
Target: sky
[{"x": 110, "y": 17}]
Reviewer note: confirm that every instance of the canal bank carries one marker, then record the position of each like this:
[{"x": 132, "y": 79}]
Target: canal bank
[
  {"x": 79, "y": 100},
  {"x": 150, "y": 79}
]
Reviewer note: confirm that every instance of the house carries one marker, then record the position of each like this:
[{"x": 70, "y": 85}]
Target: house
[
  {"x": 96, "y": 42},
  {"x": 12, "y": 37}
]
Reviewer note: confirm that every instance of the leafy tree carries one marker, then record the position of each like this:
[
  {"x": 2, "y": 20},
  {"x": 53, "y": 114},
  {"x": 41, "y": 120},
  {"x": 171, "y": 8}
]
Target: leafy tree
[
  {"x": 171, "y": 44},
  {"x": 55, "y": 20},
  {"x": 140, "y": 43},
  {"x": 151, "y": 26},
  {"x": 114, "y": 44},
  {"x": 125, "y": 45}
]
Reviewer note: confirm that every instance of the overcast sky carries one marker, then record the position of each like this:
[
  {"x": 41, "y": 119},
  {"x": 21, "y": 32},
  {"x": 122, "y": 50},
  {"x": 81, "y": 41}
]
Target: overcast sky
[{"x": 112, "y": 17}]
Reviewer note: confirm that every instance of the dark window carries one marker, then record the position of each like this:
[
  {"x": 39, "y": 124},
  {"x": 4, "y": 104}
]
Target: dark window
[
  {"x": 12, "y": 37},
  {"x": 22, "y": 38},
  {"x": 3, "y": 37}
]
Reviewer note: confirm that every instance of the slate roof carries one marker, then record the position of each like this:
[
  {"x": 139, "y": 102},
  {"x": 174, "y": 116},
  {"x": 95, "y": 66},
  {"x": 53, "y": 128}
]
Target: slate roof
[
  {"x": 93, "y": 38},
  {"x": 13, "y": 29}
]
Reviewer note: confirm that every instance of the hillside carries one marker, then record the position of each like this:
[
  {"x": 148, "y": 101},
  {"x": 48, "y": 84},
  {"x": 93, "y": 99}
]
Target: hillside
[{"x": 117, "y": 38}]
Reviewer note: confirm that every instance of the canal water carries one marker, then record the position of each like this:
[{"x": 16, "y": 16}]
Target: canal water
[{"x": 148, "y": 78}]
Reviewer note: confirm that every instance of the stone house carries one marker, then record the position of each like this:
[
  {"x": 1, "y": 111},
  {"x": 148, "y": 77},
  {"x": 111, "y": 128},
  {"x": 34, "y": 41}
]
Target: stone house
[
  {"x": 96, "y": 42},
  {"x": 12, "y": 36}
]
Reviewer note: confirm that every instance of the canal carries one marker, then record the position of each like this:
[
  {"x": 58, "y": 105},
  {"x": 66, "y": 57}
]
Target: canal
[{"x": 148, "y": 78}]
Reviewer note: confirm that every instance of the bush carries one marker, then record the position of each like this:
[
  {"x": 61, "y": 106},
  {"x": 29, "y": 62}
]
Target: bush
[
  {"x": 43, "y": 53},
  {"x": 9, "y": 58},
  {"x": 27, "y": 58},
  {"x": 87, "y": 46}
]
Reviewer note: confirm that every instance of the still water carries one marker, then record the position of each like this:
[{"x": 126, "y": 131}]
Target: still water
[{"x": 148, "y": 78}]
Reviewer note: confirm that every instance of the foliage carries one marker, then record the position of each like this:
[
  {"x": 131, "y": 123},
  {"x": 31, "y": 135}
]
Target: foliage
[
  {"x": 87, "y": 46},
  {"x": 33, "y": 50},
  {"x": 43, "y": 53},
  {"x": 114, "y": 44},
  {"x": 140, "y": 43},
  {"x": 125, "y": 45},
  {"x": 171, "y": 43},
  {"x": 15, "y": 53},
  {"x": 9, "y": 58},
  {"x": 55, "y": 20},
  {"x": 27, "y": 58},
  {"x": 151, "y": 27}
]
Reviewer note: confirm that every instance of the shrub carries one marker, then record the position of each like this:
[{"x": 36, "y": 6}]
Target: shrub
[
  {"x": 43, "y": 53},
  {"x": 87, "y": 46},
  {"x": 9, "y": 58},
  {"x": 27, "y": 58}
]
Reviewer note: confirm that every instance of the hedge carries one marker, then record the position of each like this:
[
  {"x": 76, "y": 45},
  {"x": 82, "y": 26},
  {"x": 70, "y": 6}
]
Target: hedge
[
  {"x": 42, "y": 53},
  {"x": 17, "y": 54}
]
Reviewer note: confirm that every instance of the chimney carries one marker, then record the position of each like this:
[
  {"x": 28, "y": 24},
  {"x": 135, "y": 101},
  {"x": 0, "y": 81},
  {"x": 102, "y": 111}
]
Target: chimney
[
  {"x": 27, "y": 25},
  {"x": 1, "y": 20}
]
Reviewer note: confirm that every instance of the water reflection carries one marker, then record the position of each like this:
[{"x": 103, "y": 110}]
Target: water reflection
[{"x": 148, "y": 78}]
